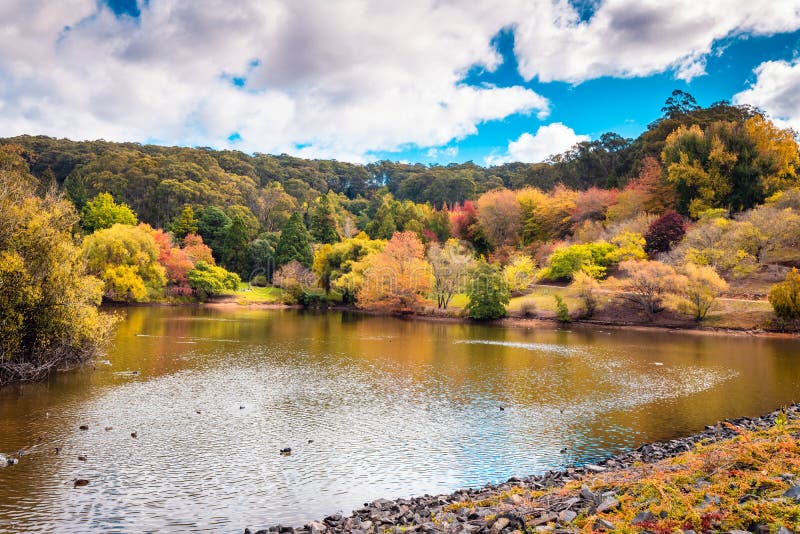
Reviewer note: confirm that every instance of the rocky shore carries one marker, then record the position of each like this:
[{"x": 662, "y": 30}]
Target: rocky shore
[{"x": 511, "y": 507}]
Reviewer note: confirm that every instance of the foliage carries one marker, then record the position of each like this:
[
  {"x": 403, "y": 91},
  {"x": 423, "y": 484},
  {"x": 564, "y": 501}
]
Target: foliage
[
  {"x": 628, "y": 246},
  {"x": 587, "y": 289},
  {"x": 235, "y": 255},
  {"x": 591, "y": 258},
  {"x": 261, "y": 256},
  {"x": 184, "y": 224},
  {"x": 520, "y": 274},
  {"x": 126, "y": 259},
  {"x": 176, "y": 264},
  {"x": 294, "y": 243},
  {"x": 451, "y": 264},
  {"x": 324, "y": 225},
  {"x": 208, "y": 280},
  {"x": 398, "y": 277},
  {"x": 102, "y": 212},
  {"x": 48, "y": 304},
  {"x": 295, "y": 279},
  {"x": 500, "y": 216},
  {"x": 701, "y": 287},
  {"x": 487, "y": 292},
  {"x": 196, "y": 250},
  {"x": 648, "y": 284},
  {"x": 332, "y": 262},
  {"x": 212, "y": 226},
  {"x": 785, "y": 297},
  {"x": 562, "y": 312},
  {"x": 732, "y": 165},
  {"x": 664, "y": 233}
]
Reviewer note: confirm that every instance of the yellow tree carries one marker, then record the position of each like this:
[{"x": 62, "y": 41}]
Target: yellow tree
[{"x": 398, "y": 278}]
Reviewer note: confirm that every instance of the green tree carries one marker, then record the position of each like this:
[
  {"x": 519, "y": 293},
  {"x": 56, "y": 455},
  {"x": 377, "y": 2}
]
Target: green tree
[
  {"x": 294, "y": 243},
  {"x": 184, "y": 224},
  {"x": 261, "y": 255},
  {"x": 562, "y": 311},
  {"x": 488, "y": 293},
  {"x": 212, "y": 225},
  {"x": 235, "y": 247},
  {"x": 48, "y": 304},
  {"x": 102, "y": 212},
  {"x": 208, "y": 280},
  {"x": 323, "y": 222}
]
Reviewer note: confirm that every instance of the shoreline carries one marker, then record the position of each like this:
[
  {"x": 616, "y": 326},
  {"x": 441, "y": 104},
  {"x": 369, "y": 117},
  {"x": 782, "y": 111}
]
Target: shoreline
[
  {"x": 514, "y": 321},
  {"x": 500, "y": 508}
]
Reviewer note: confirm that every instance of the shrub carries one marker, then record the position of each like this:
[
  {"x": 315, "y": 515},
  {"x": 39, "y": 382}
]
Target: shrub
[
  {"x": 528, "y": 308},
  {"x": 703, "y": 286},
  {"x": 664, "y": 233},
  {"x": 520, "y": 273},
  {"x": 591, "y": 258},
  {"x": 562, "y": 312},
  {"x": 488, "y": 293},
  {"x": 587, "y": 289},
  {"x": 648, "y": 284},
  {"x": 785, "y": 297}
]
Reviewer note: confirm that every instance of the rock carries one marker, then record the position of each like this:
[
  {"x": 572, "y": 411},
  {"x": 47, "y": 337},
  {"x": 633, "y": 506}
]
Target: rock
[
  {"x": 737, "y": 532},
  {"x": 784, "y": 530},
  {"x": 643, "y": 517},
  {"x": 747, "y": 498},
  {"x": 500, "y": 524},
  {"x": 316, "y": 527},
  {"x": 3, "y": 460},
  {"x": 586, "y": 493},
  {"x": 606, "y": 505},
  {"x": 567, "y": 516},
  {"x": 594, "y": 468},
  {"x": 602, "y": 524},
  {"x": 514, "y": 499},
  {"x": 793, "y": 493}
]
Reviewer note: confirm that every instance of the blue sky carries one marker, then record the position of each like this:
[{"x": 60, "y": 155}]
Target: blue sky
[{"x": 433, "y": 81}]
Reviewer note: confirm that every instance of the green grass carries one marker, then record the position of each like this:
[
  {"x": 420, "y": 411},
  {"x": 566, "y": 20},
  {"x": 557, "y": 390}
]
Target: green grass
[
  {"x": 544, "y": 301},
  {"x": 257, "y": 295}
]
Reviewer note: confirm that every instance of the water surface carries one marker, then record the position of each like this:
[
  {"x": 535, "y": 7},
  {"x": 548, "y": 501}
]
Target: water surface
[{"x": 394, "y": 408}]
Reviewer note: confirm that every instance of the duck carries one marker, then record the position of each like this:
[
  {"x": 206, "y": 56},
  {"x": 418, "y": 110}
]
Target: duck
[
  {"x": 286, "y": 451},
  {"x": 84, "y": 427},
  {"x": 134, "y": 435},
  {"x": 78, "y": 482}
]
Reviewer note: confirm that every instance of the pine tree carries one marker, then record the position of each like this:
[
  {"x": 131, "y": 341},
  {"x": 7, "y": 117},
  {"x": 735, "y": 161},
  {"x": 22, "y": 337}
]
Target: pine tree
[
  {"x": 235, "y": 250},
  {"x": 323, "y": 222},
  {"x": 213, "y": 226},
  {"x": 185, "y": 223},
  {"x": 488, "y": 293},
  {"x": 294, "y": 243}
]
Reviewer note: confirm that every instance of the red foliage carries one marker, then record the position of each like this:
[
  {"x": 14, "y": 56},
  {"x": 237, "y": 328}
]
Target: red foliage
[
  {"x": 658, "y": 196},
  {"x": 664, "y": 232},
  {"x": 592, "y": 204},
  {"x": 175, "y": 262},
  {"x": 464, "y": 220},
  {"x": 196, "y": 250}
]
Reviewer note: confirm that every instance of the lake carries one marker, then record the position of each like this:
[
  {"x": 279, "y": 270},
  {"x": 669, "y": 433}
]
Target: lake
[{"x": 371, "y": 407}]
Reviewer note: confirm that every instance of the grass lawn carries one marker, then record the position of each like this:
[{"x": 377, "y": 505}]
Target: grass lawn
[
  {"x": 543, "y": 300},
  {"x": 248, "y": 294}
]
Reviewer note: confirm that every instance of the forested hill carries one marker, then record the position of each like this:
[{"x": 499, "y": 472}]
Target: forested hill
[{"x": 158, "y": 181}]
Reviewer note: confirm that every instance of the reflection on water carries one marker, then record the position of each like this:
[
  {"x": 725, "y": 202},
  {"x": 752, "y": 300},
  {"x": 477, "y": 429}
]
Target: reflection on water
[{"x": 371, "y": 407}]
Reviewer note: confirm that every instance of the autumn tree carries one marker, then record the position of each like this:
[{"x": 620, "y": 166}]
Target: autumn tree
[
  {"x": 487, "y": 292},
  {"x": 664, "y": 233},
  {"x": 587, "y": 289},
  {"x": 451, "y": 264},
  {"x": 185, "y": 223},
  {"x": 785, "y": 297},
  {"x": 500, "y": 217},
  {"x": 196, "y": 250},
  {"x": 294, "y": 243},
  {"x": 102, "y": 212},
  {"x": 126, "y": 259},
  {"x": 175, "y": 262},
  {"x": 520, "y": 273},
  {"x": 398, "y": 278},
  {"x": 648, "y": 284},
  {"x": 49, "y": 314},
  {"x": 700, "y": 289}
]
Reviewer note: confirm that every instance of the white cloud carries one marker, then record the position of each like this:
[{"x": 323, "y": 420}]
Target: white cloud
[
  {"x": 532, "y": 148},
  {"x": 776, "y": 91},
  {"x": 330, "y": 79},
  {"x": 449, "y": 152},
  {"x": 638, "y": 37}
]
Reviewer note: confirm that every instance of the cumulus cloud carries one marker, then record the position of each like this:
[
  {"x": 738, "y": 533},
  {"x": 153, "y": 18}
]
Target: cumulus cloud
[
  {"x": 338, "y": 79},
  {"x": 776, "y": 91},
  {"x": 630, "y": 38},
  {"x": 532, "y": 148}
]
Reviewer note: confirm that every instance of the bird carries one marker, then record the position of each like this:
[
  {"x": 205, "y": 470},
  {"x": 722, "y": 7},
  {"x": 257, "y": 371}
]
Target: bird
[
  {"x": 286, "y": 451},
  {"x": 241, "y": 407},
  {"x": 58, "y": 449},
  {"x": 84, "y": 427},
  {"x": 311, "y": 441},
  {"x": 134, "y": 435},
  {"x": 502, "y": 408},
  {"x": 109, "y": 428},
  {"x": 81, "y": 482},
  {"x": 82, "y": 458}
]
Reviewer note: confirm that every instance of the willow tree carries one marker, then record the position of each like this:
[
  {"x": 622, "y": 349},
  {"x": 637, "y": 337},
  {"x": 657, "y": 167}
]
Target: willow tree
[{"x": 48, "y": 304}]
